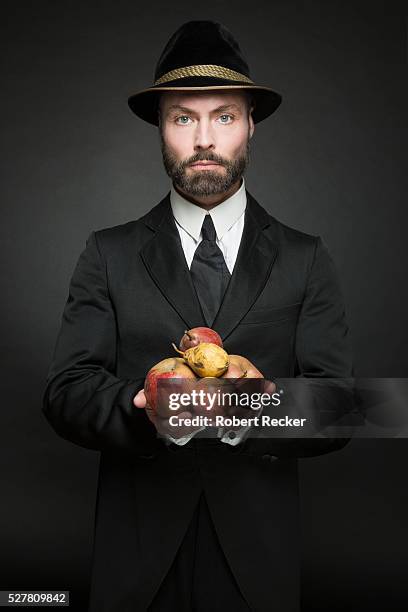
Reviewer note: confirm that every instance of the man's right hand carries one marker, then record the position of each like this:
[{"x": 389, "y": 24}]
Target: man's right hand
[{"x": 162, "y": 424}]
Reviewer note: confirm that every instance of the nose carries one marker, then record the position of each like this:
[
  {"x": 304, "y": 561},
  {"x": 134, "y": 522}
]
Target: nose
[{"x": 204, "y": 136}]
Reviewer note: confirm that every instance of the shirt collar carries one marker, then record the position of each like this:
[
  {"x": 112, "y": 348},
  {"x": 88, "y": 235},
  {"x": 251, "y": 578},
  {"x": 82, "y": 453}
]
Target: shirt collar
[{"x": 224, "y": 215}]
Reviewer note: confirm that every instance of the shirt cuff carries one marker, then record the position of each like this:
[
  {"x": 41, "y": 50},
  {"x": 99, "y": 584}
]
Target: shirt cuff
[
  {"x": 235, "y": 437},
  {"x": 181, "y": 441}
]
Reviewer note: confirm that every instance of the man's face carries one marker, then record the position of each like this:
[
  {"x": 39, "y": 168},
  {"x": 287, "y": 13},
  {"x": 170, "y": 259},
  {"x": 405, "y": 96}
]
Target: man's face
[{"x": 213, "y": 128}]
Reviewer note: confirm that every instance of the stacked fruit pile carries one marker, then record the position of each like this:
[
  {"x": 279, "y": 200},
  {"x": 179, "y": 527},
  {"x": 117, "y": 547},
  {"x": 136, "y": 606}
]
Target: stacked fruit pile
[{"x": 203, "y": 356}]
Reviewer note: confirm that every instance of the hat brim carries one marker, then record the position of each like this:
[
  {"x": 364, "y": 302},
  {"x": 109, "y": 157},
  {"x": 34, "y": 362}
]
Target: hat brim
[{"x": 145, "y": 102}]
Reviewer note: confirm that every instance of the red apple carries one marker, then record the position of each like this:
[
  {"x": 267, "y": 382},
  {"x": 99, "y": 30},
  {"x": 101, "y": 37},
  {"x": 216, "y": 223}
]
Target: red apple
[
  {"x": 211, "y": 385},
  {"x": 242, "y": 370},
  {"x": 197, "y": 335},
  {"x": 173, "y": 367},
  {"x": 241, "y": 367}
]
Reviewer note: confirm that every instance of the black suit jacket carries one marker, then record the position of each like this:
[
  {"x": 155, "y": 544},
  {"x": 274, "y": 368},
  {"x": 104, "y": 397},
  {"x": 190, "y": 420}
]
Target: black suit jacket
[{"x": 130, "y": 296}]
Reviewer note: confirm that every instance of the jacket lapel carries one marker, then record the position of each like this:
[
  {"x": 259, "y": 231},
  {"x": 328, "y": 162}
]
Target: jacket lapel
[
  {"x": 256, "y": 256},
  {"x": 164, "y": 259}
]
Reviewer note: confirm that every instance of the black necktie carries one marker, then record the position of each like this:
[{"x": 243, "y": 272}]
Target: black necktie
[{"x": 209, "y": 272}]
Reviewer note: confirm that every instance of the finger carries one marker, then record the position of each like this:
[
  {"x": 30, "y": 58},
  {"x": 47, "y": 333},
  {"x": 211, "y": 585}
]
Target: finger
[
  {"x": 270, "y": 387},
  {"x": 140, "y": 399}
]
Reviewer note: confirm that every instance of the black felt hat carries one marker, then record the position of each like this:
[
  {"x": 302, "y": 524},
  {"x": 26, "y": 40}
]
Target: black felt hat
[{"x": 201, "y": 56}]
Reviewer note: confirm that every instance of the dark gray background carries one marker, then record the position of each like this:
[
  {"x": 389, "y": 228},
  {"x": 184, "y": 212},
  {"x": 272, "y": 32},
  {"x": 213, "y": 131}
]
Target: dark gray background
[{"x": 329, "y": 162}]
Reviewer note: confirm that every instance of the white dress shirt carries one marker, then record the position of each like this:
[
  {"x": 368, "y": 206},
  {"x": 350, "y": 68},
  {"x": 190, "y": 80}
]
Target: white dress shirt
[{"x": 228, "y": 218}]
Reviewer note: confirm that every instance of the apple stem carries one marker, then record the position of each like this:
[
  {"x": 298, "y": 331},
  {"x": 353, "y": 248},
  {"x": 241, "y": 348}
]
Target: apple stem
[
  {"x": 188, "y": 334},
  {"x": 176, "y": 349}
]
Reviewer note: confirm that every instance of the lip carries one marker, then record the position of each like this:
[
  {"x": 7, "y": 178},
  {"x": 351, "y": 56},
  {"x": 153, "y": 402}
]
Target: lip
[{"x": 204, "y": 164}]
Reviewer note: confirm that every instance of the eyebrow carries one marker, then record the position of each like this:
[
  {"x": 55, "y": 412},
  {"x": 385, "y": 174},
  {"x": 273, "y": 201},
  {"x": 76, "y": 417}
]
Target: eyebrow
[{"x": 185, "y": 109}]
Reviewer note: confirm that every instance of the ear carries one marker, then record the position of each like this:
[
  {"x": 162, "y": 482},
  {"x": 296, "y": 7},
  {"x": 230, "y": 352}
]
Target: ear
[{"x": 251, "y": 123}]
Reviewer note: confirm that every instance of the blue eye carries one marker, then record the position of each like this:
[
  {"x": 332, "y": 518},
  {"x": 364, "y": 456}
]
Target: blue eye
[
  {"x": 227, "y": 116},
  {"x": 182, "y": 117}
]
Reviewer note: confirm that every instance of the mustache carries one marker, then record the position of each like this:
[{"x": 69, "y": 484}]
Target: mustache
[{"x": 204, "y": 157}]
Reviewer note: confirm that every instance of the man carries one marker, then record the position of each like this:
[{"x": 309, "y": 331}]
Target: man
[{"x": 195, "y": 523}]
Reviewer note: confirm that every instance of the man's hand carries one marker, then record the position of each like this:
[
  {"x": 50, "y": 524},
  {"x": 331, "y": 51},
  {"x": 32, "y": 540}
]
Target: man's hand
[
  {"x": 162, "y": 425},
  {"x": 164, "y": 428}
]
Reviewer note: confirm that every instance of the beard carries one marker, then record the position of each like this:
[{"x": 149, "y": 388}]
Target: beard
[{"x": 204, "y": 182}]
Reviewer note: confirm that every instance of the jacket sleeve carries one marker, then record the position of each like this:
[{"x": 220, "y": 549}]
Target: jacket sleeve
[
  {"x": 323, "y": 351},
  {"x": 84, "y": 401},
  {"x": 323, "y": 346}
]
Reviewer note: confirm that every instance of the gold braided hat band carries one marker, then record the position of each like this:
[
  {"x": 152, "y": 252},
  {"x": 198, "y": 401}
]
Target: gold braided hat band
[{"x": 211, "y": 70}]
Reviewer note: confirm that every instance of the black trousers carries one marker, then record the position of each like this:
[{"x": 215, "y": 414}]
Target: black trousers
[{"x": 199, "y": 579}]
